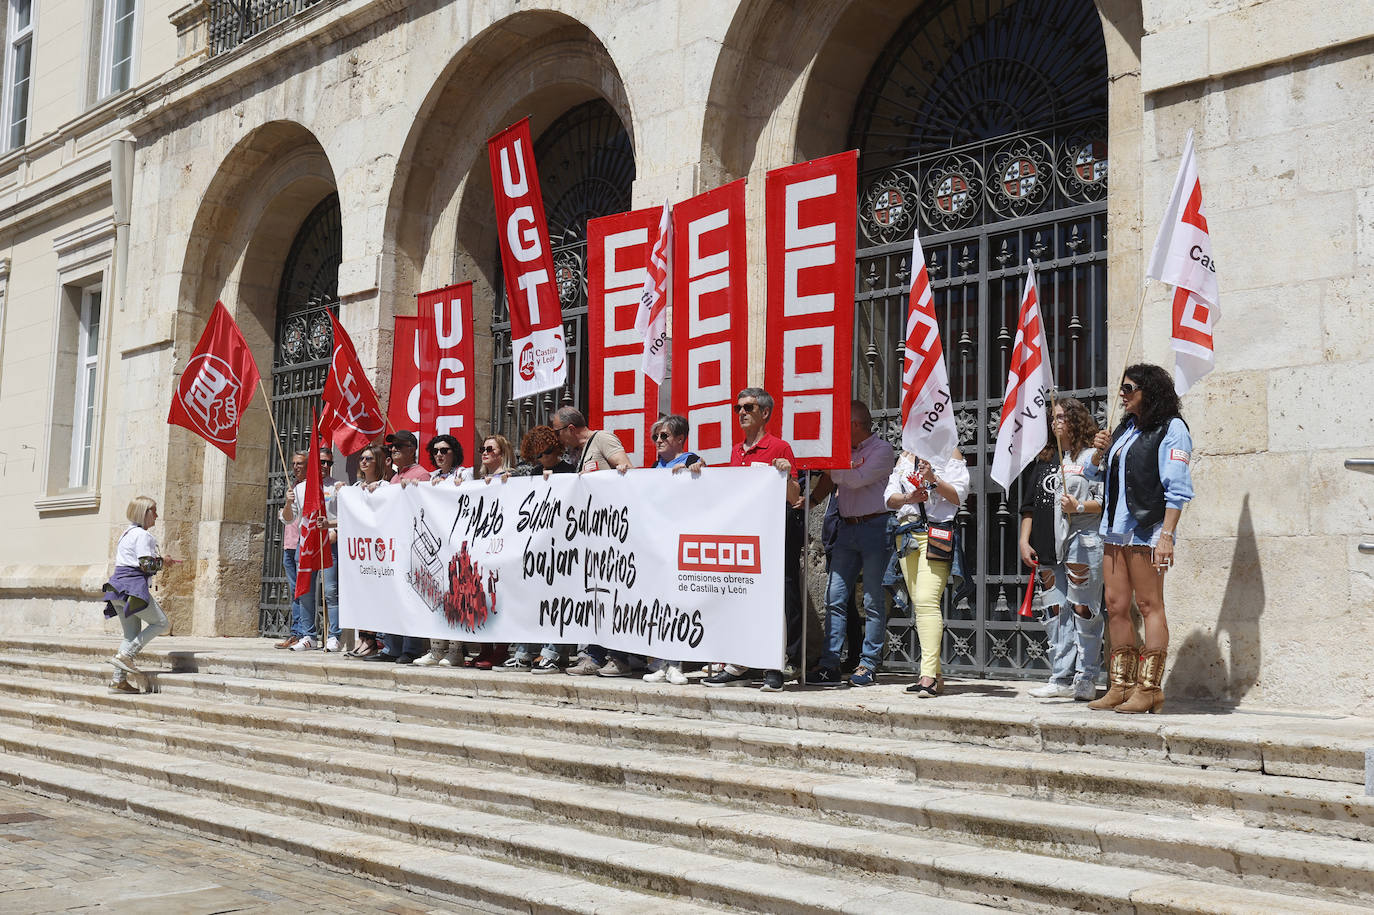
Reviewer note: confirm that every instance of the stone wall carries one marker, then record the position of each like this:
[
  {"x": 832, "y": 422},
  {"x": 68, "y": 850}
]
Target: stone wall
[{"x": 389, "y": 104}]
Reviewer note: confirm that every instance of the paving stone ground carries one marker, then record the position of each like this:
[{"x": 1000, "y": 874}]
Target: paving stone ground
[{"x": 61, "y": 857}]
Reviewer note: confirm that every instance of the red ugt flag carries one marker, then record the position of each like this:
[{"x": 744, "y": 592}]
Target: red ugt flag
[
  {"x": 356, "y": 418},
  {"x": 928, "y": 428},
  {"x": 1022, "y": 432},
  {"x": 313, "y": 554},
  {"x": 1182, "y": 257},
  {"x": 217, "y": 384}
]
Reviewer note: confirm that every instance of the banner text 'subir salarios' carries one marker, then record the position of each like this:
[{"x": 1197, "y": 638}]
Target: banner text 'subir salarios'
[{"x": 668, "y": 565}]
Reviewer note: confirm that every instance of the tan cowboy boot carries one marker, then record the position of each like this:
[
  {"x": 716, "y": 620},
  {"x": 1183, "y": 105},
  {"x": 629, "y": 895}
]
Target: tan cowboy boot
[
  {"x": 1121, "y": 673},
  {"x": 1148, "y": 697}
]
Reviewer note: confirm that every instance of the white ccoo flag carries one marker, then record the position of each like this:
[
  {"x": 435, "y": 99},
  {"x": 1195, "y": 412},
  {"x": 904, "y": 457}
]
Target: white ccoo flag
[
  {"x": 1023, "y": 431},
  {"x": 1182, "y": 257},
  {"x": 651, "y": 321},
  {"x": 928, "y": 429}
]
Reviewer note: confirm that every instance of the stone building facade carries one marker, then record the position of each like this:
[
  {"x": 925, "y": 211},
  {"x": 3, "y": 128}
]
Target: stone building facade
[{"x": 332, "y": 154}]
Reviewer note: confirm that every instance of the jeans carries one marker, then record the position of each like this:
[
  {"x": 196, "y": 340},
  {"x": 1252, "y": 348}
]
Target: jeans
[
  {"x": 139, "y": 629},
  {"x": 397, "y": 645},
  {"x": 599, "y": 655},
  {"x": 302, "y": 608},
  {"x": 791, "y": 585},
  {"x": 863, "y": 546},
  {"x": 925, "y": 582},
  {"x": 331, "y": 600},
  {"x": 1075, "y": 641}
]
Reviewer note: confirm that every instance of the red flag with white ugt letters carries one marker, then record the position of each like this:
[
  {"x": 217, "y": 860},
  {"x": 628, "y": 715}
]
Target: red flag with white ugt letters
[
  {"x": 217, "y": 384},
  {"x": 313, "y": 554},
  {"x": 928, "y": 428},
  {"x": 357, "y": 417}
]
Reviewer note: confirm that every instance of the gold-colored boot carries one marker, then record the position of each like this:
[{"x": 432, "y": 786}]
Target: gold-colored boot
[
  {"x": 1148, "y": 696},
  {"x": 1121, "y": 673}
]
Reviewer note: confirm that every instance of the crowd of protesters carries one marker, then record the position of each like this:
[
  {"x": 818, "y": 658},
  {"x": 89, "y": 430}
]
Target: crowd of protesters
[{"x": 1096, "y": 506}]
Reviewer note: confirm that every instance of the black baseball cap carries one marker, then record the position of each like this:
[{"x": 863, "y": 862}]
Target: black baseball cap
[{"x": 402, "y": 438}]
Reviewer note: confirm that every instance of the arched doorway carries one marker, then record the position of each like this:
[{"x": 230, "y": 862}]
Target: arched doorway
[
  {"x": 304, "y": 340},
  {"x": 586, "y": 169},
  {"x": 983, "y": 127}
]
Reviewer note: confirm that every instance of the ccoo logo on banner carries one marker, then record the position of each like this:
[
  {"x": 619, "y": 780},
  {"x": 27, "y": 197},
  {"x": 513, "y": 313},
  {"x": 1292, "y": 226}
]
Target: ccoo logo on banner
[{"x": 666, "y": 565}]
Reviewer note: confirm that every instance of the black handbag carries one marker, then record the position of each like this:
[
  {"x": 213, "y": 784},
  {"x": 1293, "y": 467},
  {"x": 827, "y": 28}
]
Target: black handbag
[{"x": 939, "y": 539}]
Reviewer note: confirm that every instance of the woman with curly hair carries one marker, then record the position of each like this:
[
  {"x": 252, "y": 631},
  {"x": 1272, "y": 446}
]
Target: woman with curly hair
[
  {"x": 1060, "y": 510},
  {"x": 1146, "y": 462}
]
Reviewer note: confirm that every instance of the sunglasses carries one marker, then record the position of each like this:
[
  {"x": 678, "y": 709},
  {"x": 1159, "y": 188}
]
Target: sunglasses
[
  {"x": 661, "y": 436},
  {"x": 1127, "y": 389},
  {"x": 552, "y": 449},
  {"x": 327, "y": 463},
  {"x": 444, "y": 450},
  {"x": 489, "y": 449},
  {"x": 746, "y": 407},
  {"x": 558, "y": 428},
  {"x": 366, "y": 457}
]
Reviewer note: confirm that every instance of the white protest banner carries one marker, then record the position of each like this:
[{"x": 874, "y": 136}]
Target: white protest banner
[{"x": 668, "y": 565}]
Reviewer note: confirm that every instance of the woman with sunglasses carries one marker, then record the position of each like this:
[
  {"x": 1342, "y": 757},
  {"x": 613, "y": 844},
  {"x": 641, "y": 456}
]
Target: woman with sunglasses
[
  {"x": 447, "y": 457},
  {"x": 1146, "y": 463},
  {"x": 371, "y": 461},
  {"x": 497, "y": 458},
  {"x": 669, "y": 436},
  {"x": 541, "y": 453}
]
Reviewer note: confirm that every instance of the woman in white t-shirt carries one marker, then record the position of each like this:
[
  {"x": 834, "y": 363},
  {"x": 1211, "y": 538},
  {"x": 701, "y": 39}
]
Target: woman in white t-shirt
[{"x": 127, "y": 596}]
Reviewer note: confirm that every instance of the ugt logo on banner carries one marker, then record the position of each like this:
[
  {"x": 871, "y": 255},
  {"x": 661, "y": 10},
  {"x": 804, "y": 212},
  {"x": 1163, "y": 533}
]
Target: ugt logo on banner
[
  {"x": 536, "y": 317},
  {"x": 444, "y": 344}
]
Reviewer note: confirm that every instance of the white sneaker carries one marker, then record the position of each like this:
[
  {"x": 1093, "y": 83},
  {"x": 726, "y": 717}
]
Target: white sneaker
[
  {"x": 428, "y": 659},
  {"x": 676, "y": 676},
  {"x": 1052, "y": 690},
  {"x": 305, "y": 644},
  {"x": 124, "y": 662},
  {"x": 331, "y": 645},
  {"x": 614, "y": 668},
  {"x": 657, "y": 676},
  {"x": 1085, "y": 691}
]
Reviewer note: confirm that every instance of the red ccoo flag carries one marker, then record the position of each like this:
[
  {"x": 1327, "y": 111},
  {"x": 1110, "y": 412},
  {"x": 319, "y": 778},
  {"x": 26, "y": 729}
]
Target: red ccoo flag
[
  {"x": 313, "y": 554},
  {"x": 217, "y": 384},
  {"x": 356, "y": 418}
]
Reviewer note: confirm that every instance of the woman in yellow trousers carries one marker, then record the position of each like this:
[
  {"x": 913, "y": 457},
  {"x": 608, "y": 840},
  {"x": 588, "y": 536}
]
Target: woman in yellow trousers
[{"x": 926, "y": 495}]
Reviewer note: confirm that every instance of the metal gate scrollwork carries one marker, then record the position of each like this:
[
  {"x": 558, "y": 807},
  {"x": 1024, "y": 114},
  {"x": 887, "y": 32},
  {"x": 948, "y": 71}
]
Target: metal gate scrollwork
[
  {"x": 983, "y": 125},
  {"x": 300, "y": 362}
]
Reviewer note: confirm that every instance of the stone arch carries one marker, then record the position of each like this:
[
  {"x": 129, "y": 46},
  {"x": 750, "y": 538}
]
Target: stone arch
[
  {"x": 439, "y": 216},
  {"x": 251, "y": 210}
]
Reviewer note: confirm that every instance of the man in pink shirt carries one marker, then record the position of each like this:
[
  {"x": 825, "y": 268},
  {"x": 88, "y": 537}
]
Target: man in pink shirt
[
  {"x": 753, "y": 408},
  {"x": 861, "y": 544}
]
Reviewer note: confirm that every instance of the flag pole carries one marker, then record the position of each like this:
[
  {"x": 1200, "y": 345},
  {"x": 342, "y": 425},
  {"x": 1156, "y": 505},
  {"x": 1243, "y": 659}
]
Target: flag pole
[
  {"x": 805, "y": 578},
  {"x": 276, "y": 435},
  {"x": 1135, "y": 327}
]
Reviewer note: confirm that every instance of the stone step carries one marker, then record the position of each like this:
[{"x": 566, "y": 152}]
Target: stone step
[
  {"x": 484, "y": 730},
  {"x": 469, "y": 879},
  {"x": 305, "y": 810},
  {"x": 1206, "y": 849},
  {"x": 1311, "y": 746}
]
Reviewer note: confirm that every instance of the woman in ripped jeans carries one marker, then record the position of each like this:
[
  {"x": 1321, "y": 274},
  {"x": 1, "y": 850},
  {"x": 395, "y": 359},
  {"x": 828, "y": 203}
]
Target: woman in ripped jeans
[{"x": 1060, "y": 510}]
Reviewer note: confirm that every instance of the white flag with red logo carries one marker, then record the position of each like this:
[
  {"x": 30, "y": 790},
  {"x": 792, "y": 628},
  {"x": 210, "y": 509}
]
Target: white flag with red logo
[
  {"x": 1023, "y": 432},
  {"x": 928, "y": 429},
  {"x": 314, "y": 553},
  {"x": 1182, "y": 257},
  {"x": 651, "y": 321}
]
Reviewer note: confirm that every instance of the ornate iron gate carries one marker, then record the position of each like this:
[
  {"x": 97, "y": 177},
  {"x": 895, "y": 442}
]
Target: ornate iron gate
[
  {"x": 983, "y": 127},
  {"x": 586, "y": 169},
  {"x": 300, "y": 362}
]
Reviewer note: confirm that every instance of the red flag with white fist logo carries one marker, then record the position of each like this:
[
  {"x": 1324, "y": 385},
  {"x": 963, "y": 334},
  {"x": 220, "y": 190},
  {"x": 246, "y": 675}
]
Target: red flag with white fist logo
[
  {"x": 314, "y": 553},
  {"x": 357, "y": 418},
  {"x": 217, "y": 384}
]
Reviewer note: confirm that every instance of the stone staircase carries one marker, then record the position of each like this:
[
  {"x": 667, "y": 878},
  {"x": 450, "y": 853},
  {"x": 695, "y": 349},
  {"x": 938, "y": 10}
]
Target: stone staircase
[{"x": 554, "y": 793}]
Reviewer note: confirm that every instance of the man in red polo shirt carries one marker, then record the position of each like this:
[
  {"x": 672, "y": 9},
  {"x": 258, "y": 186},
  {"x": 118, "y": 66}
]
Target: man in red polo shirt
[{"x": 753, "y": 407}]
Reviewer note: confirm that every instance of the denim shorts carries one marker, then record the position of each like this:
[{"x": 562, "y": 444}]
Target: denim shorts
[
  {"x": 1083, "y": 548},
  {"x": 1135, "y": 537}
]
